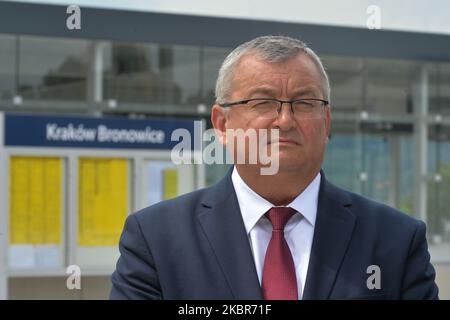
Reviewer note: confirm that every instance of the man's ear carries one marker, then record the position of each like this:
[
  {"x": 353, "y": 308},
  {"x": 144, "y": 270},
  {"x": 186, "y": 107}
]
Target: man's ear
[{"x": 218, "y": 120}]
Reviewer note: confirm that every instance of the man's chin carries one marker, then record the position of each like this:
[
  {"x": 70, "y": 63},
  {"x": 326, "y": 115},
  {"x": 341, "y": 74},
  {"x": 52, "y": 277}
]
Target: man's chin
[
  {"x": 290, "y": 167},
  {"x": 287, "y": 157},
  {"x": 290, "y": 164}
]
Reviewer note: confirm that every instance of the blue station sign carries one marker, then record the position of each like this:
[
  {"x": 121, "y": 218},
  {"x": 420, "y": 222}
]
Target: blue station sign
[{"x": 86, "y": 132}]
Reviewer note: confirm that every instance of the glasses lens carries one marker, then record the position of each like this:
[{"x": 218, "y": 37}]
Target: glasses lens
[
  {"x": 307, "y": 108},
  {"x": 265, "y": 109},
  {"x": 268, "y": 109}
]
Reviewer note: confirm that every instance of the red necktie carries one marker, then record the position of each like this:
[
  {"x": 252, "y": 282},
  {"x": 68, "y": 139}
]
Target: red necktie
[{"x": 279, "y": 281}]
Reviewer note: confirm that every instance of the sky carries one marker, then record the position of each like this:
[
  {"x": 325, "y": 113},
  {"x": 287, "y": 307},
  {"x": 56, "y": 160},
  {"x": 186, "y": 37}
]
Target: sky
[{"x": 431, "y": 16}]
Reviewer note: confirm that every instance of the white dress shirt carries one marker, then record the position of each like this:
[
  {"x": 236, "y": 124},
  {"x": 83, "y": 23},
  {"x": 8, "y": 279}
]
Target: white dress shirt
[{"x": 298, "y": 231}]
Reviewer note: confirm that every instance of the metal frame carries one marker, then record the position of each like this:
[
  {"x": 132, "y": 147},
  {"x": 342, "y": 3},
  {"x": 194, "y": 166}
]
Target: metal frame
[
  {"x": 139, "y": 26},
  {"x": 3, "y": 216}
]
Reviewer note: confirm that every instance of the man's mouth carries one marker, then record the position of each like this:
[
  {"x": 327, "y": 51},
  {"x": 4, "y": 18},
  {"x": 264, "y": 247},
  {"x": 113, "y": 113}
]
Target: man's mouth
[{"x": 285, "y": 141}]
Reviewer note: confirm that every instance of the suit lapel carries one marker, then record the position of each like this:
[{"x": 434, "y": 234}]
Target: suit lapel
[
  {"x": 332, "y": 234},
  {"x": 222, "y": 224}
]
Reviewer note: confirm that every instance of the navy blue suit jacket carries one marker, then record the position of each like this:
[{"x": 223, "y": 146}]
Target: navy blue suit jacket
[{"x": 195, "y": 247}]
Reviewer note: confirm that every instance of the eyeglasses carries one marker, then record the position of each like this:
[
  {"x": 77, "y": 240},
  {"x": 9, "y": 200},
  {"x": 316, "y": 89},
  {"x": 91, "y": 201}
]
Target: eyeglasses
[{"x": 270, "y": 108}]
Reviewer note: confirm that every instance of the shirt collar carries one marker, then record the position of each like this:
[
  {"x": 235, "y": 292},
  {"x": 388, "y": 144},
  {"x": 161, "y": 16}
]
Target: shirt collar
[{"x": 253, "y": 206}]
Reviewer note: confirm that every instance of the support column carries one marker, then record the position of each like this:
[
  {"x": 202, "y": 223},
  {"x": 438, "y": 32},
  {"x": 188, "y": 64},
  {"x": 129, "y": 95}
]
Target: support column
[
  {"x": 395, "y": 168},
  {"x": 95, "y": 77},
  {"x": 420, "y": 103},
  {"x": 3, "y": 218}
]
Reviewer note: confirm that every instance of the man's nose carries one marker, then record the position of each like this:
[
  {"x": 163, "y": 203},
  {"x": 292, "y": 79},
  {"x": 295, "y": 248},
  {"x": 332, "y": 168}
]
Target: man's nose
[{"x": 285, "y": 118}]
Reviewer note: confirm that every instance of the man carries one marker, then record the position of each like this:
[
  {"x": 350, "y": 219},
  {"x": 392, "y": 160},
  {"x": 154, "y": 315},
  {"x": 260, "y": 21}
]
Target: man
[{"x": 288, "y": 235}]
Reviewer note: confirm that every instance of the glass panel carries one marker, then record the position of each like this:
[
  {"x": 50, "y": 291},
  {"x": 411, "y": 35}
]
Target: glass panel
[
  {"x": 52, "y": 68},
  {"x": 388, "y": 86},
  {"x": 152, "y": 74},
  {"x": 376, "y": 166},
  {"x": 438, "y": 213},
  {"x": 342, "y": 164},
  {"x": 212, "y": 59},
  {"x": 343, "y": 159},
  {"x": 7, "y": 66},
  {"x": 345, "y": 75},
  {"x": 405, "y": 171},
  {"x": 439, "y": 102},
  {"x": 372, "y": 161}
]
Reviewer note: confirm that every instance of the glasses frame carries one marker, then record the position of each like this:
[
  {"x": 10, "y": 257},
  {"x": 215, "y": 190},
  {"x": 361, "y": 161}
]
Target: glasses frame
[{"x": 281, "y": 102}]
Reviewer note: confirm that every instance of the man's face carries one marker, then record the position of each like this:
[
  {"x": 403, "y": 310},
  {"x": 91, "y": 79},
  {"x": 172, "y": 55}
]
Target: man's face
[{"x": 297, "y": 78}]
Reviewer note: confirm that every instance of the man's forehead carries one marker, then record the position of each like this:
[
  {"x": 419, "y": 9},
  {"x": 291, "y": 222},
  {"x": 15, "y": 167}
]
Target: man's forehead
[
  {"x": 256, "y": 59},
  {"x": 261, "y": 76},
  {"x": 254, "y": 68}
]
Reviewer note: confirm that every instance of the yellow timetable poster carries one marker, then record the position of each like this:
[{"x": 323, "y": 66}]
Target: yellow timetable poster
[
  {"x": 170, "y": 181},
  {"x": 35, "y": 200},
  {"x": 102, "y": 200}
]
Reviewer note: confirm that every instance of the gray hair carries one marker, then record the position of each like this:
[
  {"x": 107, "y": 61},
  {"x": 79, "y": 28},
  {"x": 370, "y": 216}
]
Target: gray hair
[{"x": 272, "y": 49}]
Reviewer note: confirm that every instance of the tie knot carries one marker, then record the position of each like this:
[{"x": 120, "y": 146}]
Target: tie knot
[{"x": 279, "y": 216}]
